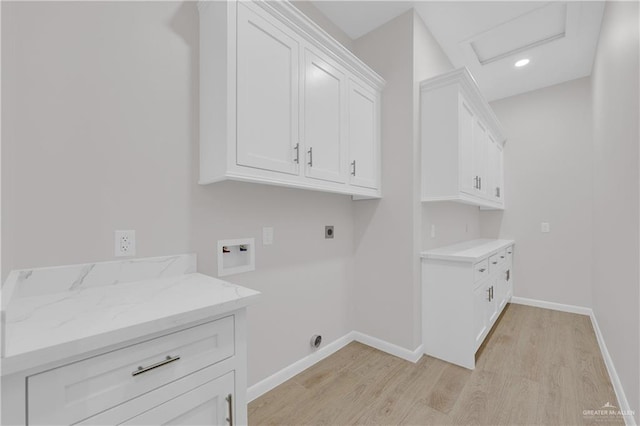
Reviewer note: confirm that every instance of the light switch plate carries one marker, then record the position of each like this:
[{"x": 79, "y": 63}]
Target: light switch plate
[{"x": 267, "y": 236}]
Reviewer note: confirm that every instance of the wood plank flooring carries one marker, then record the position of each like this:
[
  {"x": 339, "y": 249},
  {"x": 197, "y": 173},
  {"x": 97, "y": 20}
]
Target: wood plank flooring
[{"x": 537, "y": 367}]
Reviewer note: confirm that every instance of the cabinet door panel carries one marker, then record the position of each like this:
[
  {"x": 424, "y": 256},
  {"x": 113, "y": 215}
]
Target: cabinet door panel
[
  {"x": 466, "y": 129},
  {"x": 323, "y": 122},
  {"x": 499, "y": 173},
  {"x": 363, "y": 136},
  {"x": 492, "y": 307},
  {"x": 495, "y": 190},
  {"x": 480, "y": 306},
  {"x": 267, "y": 94},
  {"x": 204, "y": 405},
  {"x": 480, "y": 142}
]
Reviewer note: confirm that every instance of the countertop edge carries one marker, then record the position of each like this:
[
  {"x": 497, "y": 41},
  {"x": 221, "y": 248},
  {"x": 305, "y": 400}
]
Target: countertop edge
[
  {"x": 69, "y": 350},
  {"x": 427, "y": 255}
]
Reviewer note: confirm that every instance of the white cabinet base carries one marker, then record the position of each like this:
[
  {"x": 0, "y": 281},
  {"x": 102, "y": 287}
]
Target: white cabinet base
[
  {"x": 465, "y": 287},
  {"x": 204, "y": 384}
]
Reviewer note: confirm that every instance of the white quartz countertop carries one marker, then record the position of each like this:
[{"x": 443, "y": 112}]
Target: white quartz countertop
[
  {"x": 55, "y": 326},
  {"x": 468, "y": 251}
]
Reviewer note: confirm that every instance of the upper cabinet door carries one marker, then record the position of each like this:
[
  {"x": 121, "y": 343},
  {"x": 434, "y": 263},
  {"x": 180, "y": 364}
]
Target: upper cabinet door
[
  {"x": 363, "y": 136},
  {"x": 480, "y": 142},
  {"x": 499, "y": 173},
  {"x": 466, "y": 125},
  {"x": 267, "y": 94},
  {"x": 323, "y": 123},
  {"x": 495, "y": 170}
]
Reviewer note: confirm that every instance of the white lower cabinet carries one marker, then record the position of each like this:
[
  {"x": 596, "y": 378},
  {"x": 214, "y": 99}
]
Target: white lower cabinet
[
  {"x": 465, "y": 288},
  {"x": 193, "y": 376},
  {"x": 209, "y": 403}
]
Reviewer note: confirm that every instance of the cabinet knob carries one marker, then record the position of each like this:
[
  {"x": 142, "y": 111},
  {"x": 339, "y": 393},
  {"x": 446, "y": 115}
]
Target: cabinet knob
[{"x": 482, "y": 269}]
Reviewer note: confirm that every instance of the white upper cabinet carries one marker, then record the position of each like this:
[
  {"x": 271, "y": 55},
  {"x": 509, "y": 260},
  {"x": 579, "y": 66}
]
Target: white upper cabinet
[
  {"x": 363, "y": 136},
  {"x": 267, "y": 87},
  {"x": 495, "y": 177},
  {"x": 462, "y": 143},
  {"x": 277, "y": 95},
  {"x": 324, "y": 127}
]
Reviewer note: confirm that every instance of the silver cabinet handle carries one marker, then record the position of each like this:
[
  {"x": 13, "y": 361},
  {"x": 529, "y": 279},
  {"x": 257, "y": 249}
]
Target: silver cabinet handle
[
  {"x": 297, "y": 148},
  {"x": 498, "y": 192},
  {"x": 229, "y": 400},
  {"x": 167, "y": 360},
  {"x": 494, "y": 263},
  {"x": 310, "y": 163},
  {"x": 353, "y": 164},
  {"x": 482, "y": 269},
  {"x": 479, "y": 182},
  {"x": 475, "y": 182},
  {"x": 489, "y": 294},
  {"x": 501, "y": 257}
]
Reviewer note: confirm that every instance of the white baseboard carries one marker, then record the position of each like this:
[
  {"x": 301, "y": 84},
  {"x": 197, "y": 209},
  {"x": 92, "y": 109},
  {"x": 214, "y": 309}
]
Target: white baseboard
[
  {"x": 390, "y": 348},
  {"x": 623, "y": 404},
  {"x": 298, "y": 367},
  {"x": 552, "y": 305}
]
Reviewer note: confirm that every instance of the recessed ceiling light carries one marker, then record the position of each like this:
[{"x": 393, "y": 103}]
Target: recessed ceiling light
[{"x": 522, "y": 63}]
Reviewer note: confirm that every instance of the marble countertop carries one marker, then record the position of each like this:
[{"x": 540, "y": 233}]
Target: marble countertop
[
  {"x": 467, "y": 251},
  {"x": 53, "y": 326}
]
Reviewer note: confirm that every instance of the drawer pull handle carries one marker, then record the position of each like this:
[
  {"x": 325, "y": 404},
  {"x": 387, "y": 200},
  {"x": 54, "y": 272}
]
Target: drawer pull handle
[
  {"x": 167, "y": 360},
  {"x": 501, "y": 257},
  {"x": 494, "y": 263},
  {"x": 482, "y": 269},
  {"x": 230, "y": 404}
]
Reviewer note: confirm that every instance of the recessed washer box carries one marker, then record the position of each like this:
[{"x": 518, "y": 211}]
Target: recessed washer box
[{"x": 236, "y": 256}]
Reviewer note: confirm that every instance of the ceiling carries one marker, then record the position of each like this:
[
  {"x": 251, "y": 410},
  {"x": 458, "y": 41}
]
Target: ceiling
[{"x": 559, "y": 38}]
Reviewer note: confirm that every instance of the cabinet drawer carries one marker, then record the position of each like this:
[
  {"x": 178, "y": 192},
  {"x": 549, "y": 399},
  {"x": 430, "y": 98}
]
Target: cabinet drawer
[
  {"x": 509, "y": 252},
  {"x": 74, "y": 392},
  {"x": 480, "y": 270},
  {"x": 494, "y": 261}
]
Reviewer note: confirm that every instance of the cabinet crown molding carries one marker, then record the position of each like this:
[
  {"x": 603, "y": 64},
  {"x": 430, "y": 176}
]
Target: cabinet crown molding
[
  {"x": 463, "y": 77},
  {"x": 314, "y": 34}
]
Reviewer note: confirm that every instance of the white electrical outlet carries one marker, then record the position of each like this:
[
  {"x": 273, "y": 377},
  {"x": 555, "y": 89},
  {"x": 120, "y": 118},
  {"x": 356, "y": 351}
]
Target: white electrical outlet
[
  {"x": 125, "y": 243},
  {"x": 544, "y": 227}
]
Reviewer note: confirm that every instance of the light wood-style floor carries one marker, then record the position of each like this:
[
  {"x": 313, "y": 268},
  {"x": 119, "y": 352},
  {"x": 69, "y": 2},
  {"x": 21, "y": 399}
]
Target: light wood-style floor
[{"x": 538, "y": 367}]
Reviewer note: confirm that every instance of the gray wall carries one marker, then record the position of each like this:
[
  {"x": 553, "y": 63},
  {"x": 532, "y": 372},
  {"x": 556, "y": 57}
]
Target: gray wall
[
  {"x": 548, "y": 164},
  {"x": 616, "y": 189},
  {"x": 388, "y": 231},
  {"x": 100, "y": 110}
]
